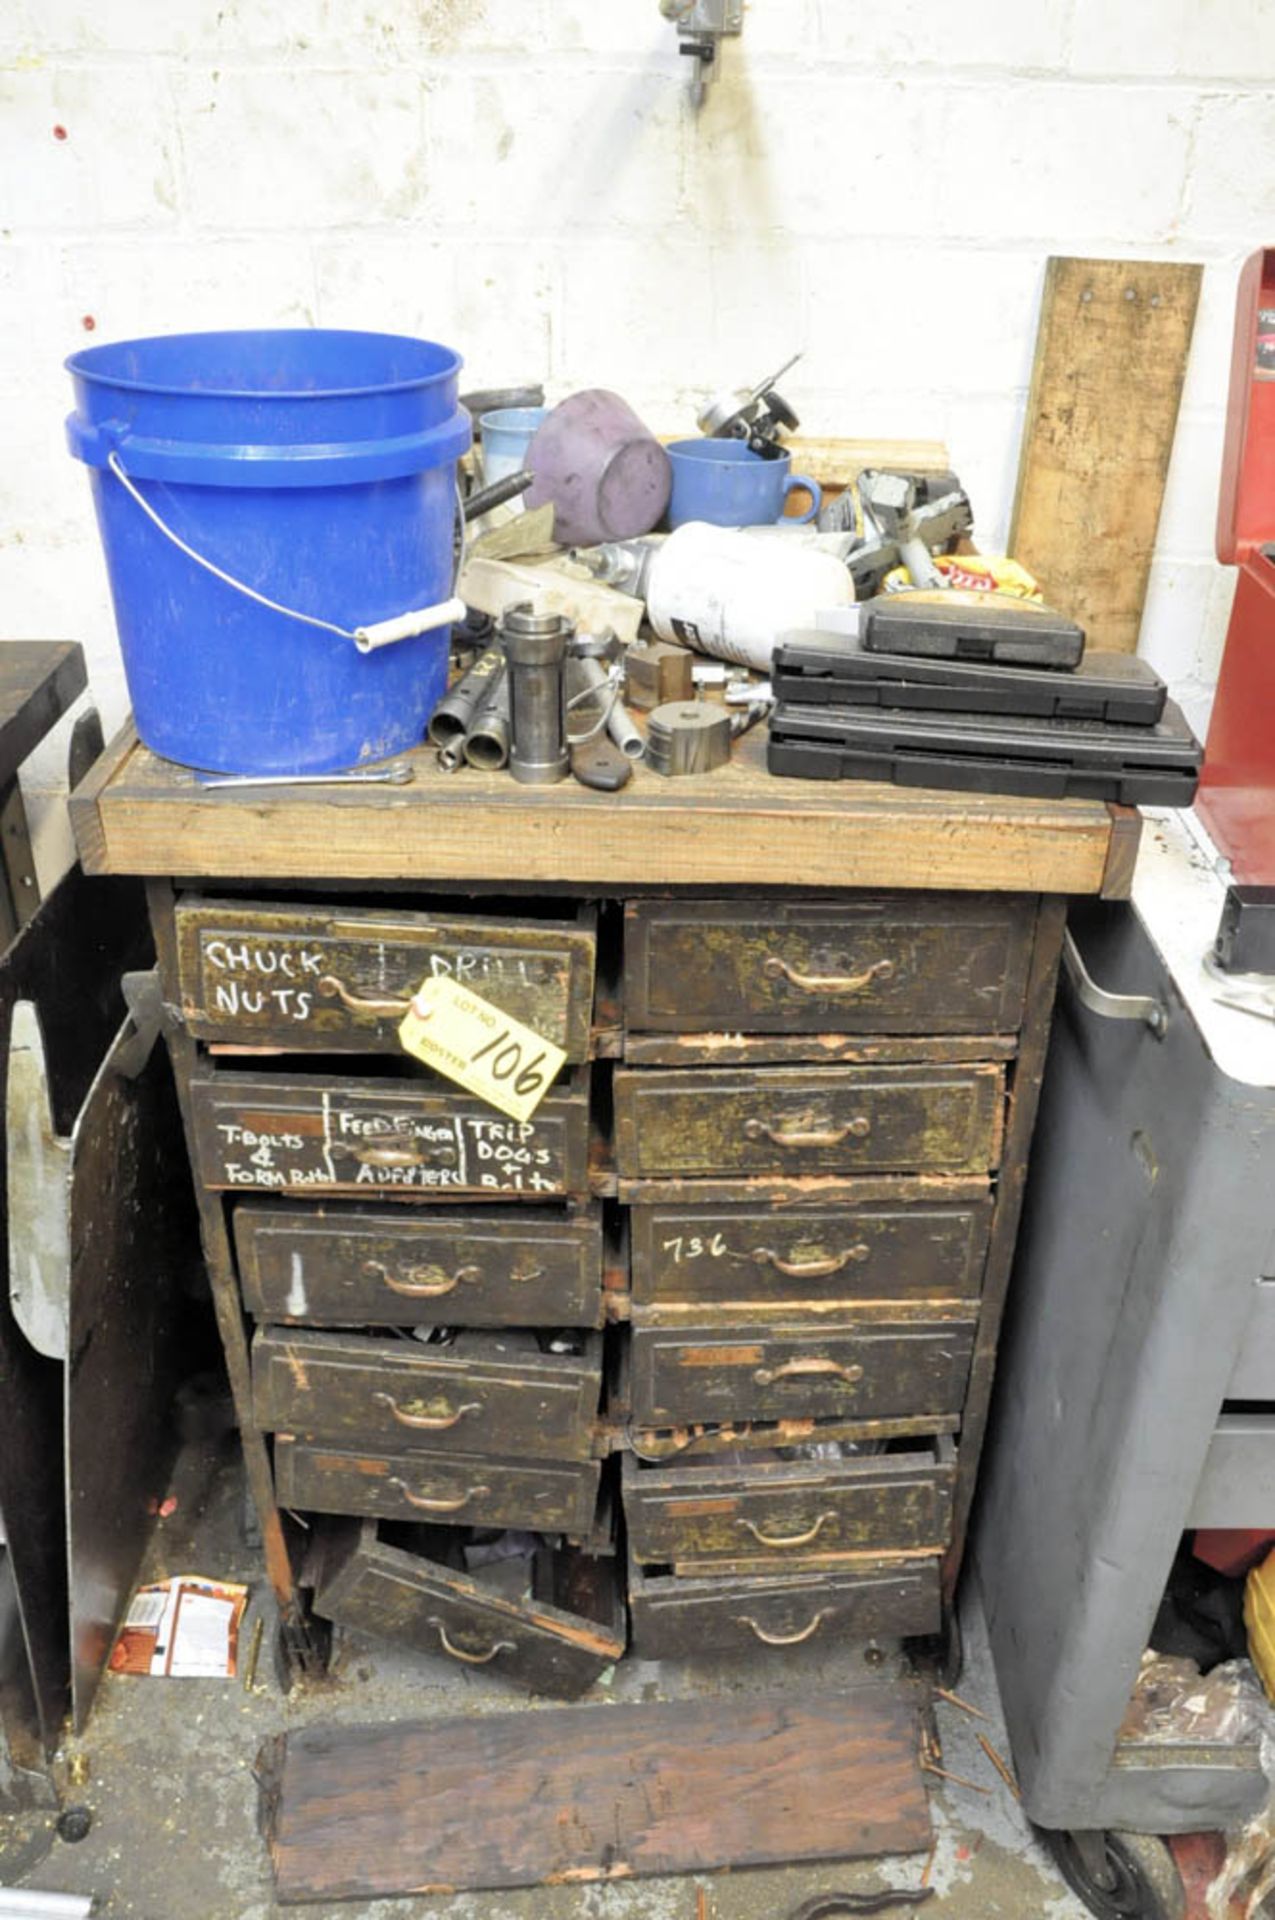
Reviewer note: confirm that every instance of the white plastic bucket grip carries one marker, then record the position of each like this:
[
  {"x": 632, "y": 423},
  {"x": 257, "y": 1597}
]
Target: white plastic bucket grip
[{"x": 381, "y": 633}]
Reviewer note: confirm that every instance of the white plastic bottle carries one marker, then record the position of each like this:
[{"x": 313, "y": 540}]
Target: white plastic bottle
[{"x": 729, "y": 591}]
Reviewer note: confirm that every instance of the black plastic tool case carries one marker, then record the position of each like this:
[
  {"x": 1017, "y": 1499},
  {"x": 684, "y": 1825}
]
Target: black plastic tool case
[
  {"x": 1139, "y": 766},
  {"x": 822, "y": 667},
  {"x": 1030, "y": 638}
]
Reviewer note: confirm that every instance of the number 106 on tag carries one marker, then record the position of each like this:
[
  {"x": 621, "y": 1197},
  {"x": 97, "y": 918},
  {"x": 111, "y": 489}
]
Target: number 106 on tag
[{"x": 483, "y": 1049}]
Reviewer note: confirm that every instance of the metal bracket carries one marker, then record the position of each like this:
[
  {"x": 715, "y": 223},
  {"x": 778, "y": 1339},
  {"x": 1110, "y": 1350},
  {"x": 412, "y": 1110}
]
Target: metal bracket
[
  {"x": 1111, "y": 1006},
  {"x": 702, "y": 24}
]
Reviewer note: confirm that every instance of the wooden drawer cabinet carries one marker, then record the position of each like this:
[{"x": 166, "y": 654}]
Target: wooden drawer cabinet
[
  {"x": 790, "y": 1510},
  {"x": 808, "y": 1120},
  {"x": 556, "y": 1638},
  {"x": 338, "y": 979},
  {"x": 867, "y": 963},
  {"x": 674, "y": 1616},
  {"x": 448, "y": 1488},
  {"x": 759, "y": 1369},
  {"x": 730, "y": 1256},
  {"x": 487, "y": 1393},
  {"x": 323, "y": 1133},
  {"x": 344, "y": 1266}
]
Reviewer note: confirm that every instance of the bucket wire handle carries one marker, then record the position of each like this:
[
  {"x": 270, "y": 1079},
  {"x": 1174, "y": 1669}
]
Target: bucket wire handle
[{"x": 381, "y": 633}]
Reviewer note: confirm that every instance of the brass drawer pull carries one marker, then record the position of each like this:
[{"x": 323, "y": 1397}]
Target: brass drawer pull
[
  {"x": 788, "y": 1539},
  {"x": 390, "y": 1155},
  {"x": 777, "y": 968},
  {"x": 333, "y": 989},
  {"x": 421, "y": 1289},
  {"x": 427, "y": 1422},
  {"x": 784, "y": 1639},
  {"x": 807, "y": 1369},
  {"x": 812, "y": 1269},
  {"x": 856, "y": 1129},
  {"x": 470, "y": 1659},
  {"x": 429, "y": 1505}
]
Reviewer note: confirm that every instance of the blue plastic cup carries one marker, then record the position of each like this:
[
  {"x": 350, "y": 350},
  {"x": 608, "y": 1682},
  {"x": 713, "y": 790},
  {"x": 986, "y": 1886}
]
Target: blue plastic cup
[
  {"x": 507, "y": 432},
  {"x": 727, "y": 484}
]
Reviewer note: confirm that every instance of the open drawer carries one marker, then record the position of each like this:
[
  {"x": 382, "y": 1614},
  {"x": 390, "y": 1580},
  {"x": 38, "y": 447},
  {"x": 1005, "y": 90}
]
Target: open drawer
[
  {"x": 549, "y": 1618},
  {"x": 675, "y": 1616},
  {"x": 827, "y": 1499},
  {"x": 338, "y": 979},
  {"x": 509, "y": 1395}
]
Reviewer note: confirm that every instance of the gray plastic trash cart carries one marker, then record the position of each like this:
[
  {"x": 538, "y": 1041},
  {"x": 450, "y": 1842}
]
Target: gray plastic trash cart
[{"x": 1142, "y": 1308}]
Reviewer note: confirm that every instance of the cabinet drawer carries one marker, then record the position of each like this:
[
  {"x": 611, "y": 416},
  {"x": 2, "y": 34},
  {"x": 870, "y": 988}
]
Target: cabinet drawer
[
  {"x": 773, "y": 1509},
  {"x": 338, "y": 979},
  {"x": 486, "y": 1393},
  {"x": 323, "y": 1134},
  {"x": 759, "y": 1370},
  {"x": 675, "y": 1616},
  {"x": 807, "y": 1120},
  {"x": 555, "y": 1639},
  {"x": 722, "y": 1256},
  {"x": 458, "y": 1489},
  {"x": 865, "y": 963},
  {"x": 1236, "y": 1487},
  {"x": 498, "y": 1266}
]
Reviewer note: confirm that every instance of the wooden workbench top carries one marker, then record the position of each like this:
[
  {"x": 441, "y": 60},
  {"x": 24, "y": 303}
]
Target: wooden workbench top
[{"x": 739, "y": 826}]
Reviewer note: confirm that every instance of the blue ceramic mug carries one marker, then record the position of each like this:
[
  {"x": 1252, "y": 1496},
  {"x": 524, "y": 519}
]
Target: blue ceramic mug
[{"x": 727, "y": 484}]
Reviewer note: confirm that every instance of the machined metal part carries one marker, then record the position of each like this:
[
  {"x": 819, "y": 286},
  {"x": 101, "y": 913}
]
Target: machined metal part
[
  {"x": 487, "y": 742},
  {"x": 1246, "y": 933},
  {"x": 757, "y": 414},
  {"x": 657, "y": 672},
  {"x": 451, "y": 718},
  {"x": 895, "y": 526},
  {"x": 702, "y": 24},
  {"x": 688, "y": 737},
  {"x": 535, "y": 647},
  {"x": 1111, "y": 1006}
]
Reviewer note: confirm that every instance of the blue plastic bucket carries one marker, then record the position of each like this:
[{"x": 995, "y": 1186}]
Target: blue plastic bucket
[{"x": 318, "y": 470}]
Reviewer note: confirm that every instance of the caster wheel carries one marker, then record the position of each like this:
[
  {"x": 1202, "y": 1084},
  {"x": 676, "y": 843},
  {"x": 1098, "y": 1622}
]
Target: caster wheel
[{"x": 1121, "y": 1876}]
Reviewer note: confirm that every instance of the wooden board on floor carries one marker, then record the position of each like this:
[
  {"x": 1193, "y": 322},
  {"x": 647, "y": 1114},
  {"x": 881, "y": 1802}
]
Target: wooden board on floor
[
  {"x": 1110, "y": 360},
  {"x": 739, "y": 826},
  {"x": 573, "y": 1795}
]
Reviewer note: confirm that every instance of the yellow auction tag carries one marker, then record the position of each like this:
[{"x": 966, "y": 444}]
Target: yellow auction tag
[{"x": 460, "y": 1034}]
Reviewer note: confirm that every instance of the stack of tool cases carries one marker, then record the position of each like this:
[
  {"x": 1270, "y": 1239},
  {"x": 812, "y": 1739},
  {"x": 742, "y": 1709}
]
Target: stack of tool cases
[{"x": 938, "y": 696}]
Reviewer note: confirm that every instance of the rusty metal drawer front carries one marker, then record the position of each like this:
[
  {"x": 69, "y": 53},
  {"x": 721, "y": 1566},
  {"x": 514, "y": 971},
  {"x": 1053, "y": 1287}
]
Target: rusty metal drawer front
[
  {"x": 723, "y": 1256},
  {"x": 399, "y": 1595},
  {"x": 455, "y": 1489},
  {"x": 867, "y": 963},
  {"x": 498, "y": 1266},
  {"x": 788, "y": 1509},
  {"x": 806, "y": 1120},
  {"x": 320, "y": 1134},
  {"x": 338, "y": 979},
  {"x": 763, "y": 1371},
  {"x": 675, "y": 1616},
  {"x": 487, "y": 1393}
]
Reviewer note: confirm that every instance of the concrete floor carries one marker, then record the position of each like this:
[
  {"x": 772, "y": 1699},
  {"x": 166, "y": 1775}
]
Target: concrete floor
[{"x": 171, "y": 1786}]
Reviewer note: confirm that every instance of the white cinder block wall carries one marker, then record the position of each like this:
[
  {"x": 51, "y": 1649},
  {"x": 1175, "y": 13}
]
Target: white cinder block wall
[{"x": 524, "y": 179}]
